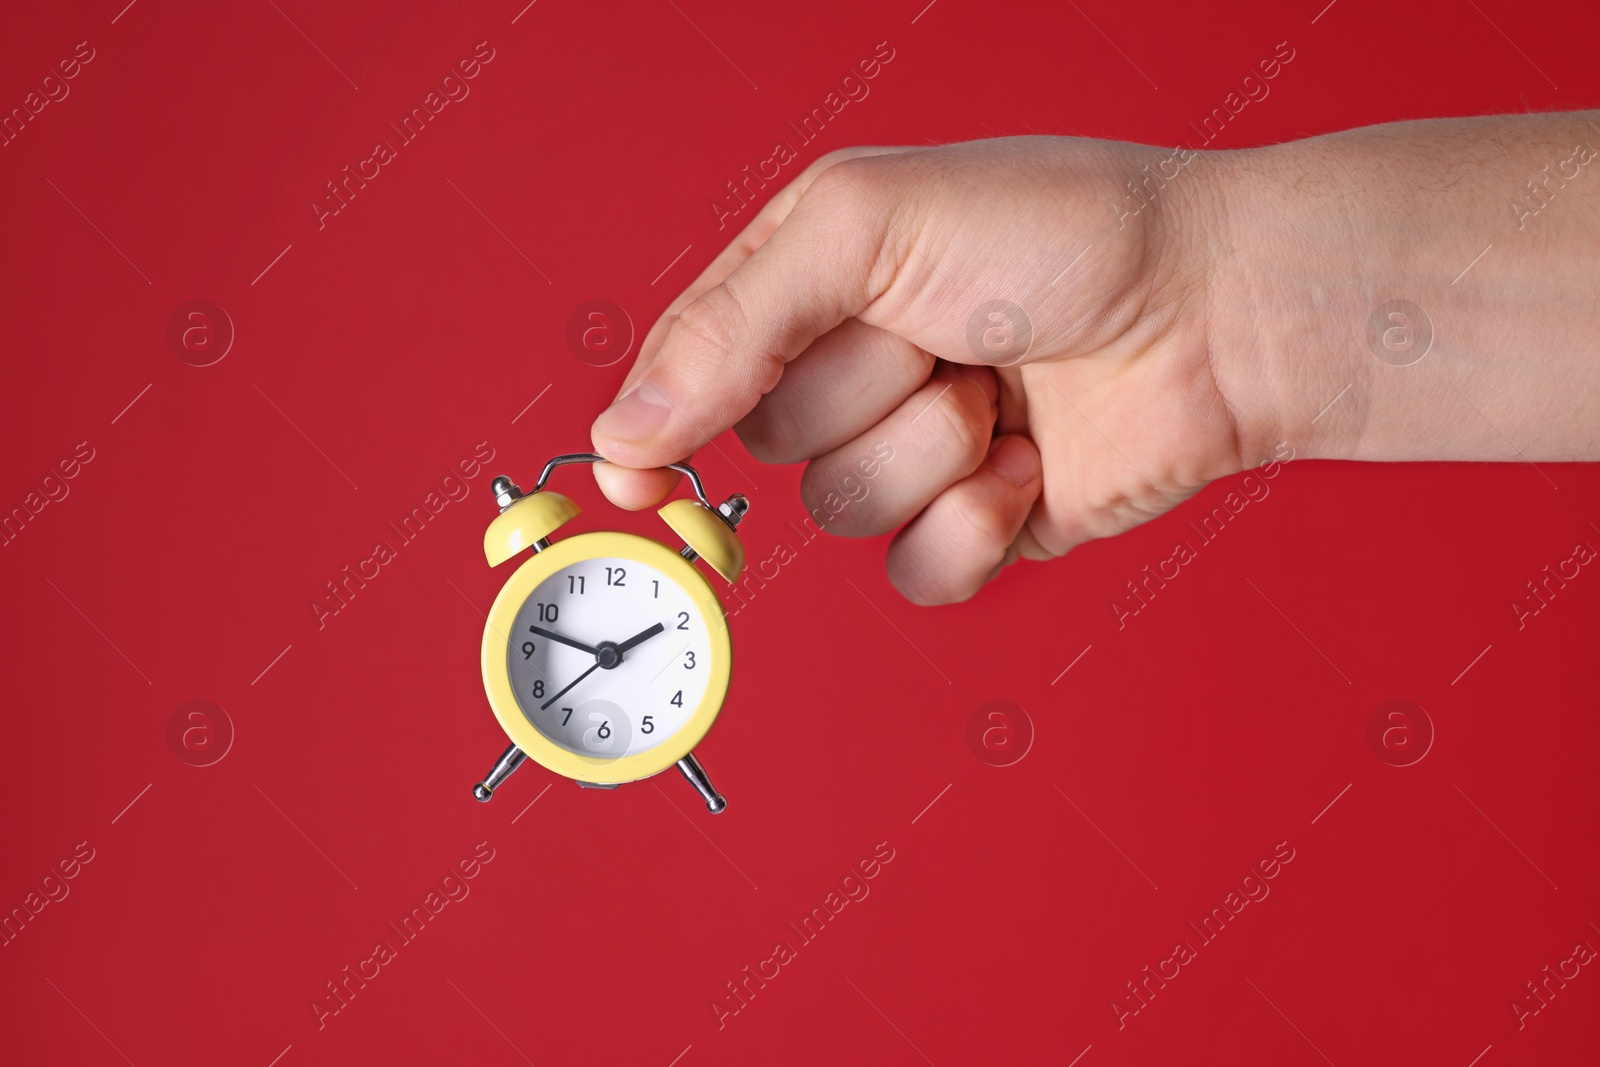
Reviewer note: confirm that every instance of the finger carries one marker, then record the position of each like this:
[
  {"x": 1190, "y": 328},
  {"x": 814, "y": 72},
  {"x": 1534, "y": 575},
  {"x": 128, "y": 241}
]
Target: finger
[
  {"x": 635, "y": 489},
  {"x": 962, "y": 539},
  {"x": 725, "y": 349},
  {"x": 742, "y": 247},
  {"x": 843, "y": 384},
  {"x": 936, "y": 437}
]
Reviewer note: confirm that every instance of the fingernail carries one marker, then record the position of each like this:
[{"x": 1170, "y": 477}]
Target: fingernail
[
  {"x": 1015, "y": 459},
  {"x": 636, "y": 416}
]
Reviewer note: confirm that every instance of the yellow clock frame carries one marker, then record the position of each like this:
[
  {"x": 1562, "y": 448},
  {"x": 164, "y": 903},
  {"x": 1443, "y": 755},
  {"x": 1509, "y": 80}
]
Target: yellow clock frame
[{"x": 497, "y": 672}]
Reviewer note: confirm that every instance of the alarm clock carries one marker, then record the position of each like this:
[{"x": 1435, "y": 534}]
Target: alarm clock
[{"x": 606, "y": 655}]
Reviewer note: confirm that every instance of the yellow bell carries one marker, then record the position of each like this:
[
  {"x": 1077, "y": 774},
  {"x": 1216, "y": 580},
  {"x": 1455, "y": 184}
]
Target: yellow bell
[
  {"x": 527, "y": 521},
  {"x": 704, "y": 531}
]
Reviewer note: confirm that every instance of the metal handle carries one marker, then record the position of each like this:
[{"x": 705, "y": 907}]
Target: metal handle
[{"x": 595, "y": 457}]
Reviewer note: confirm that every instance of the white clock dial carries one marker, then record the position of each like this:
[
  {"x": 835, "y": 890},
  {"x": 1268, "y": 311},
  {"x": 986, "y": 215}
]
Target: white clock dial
[{"x": 609, "y": 657}]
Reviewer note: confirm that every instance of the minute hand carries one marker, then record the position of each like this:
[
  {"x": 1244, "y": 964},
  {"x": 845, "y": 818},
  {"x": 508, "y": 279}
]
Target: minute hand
[{"x": 639, "y": 638}]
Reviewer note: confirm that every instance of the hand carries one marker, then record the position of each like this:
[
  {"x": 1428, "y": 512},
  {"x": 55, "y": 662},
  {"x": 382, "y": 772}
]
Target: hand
[
  {"x": 835, "y": 329},
  {"x": 1191, "y": 314}
]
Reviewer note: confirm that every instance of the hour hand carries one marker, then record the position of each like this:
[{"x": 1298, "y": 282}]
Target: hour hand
[
  {"x": 565, "y": 640},
  {"x": 640, "y": 638}
]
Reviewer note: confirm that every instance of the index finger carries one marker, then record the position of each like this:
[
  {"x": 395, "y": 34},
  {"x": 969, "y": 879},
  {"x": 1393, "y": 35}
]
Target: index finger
[
  {"x": 741, "y": 248},
  {"x": 727, "y": 347}
]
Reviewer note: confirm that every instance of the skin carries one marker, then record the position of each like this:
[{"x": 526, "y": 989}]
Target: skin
[{"x": 1217, "y": 321}]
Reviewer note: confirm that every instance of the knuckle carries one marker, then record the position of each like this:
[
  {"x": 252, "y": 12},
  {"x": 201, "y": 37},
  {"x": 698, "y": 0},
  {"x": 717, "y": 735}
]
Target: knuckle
[
  {"x": 987, "y": 526},
  {"x": 838, "y": 500},
  {"x": 925, "y": 586},
  {"x": 966, "y": 411},
  {"x": 712, "y": 319},
  {"x": 844, "y": 182},
  {"x": 912, "y": 581},
  {"x": 831, "y": 159},
  {"x": 768, "y": 434}
]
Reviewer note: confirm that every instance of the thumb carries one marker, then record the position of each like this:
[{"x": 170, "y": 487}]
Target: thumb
[{"x": 727, "y": 347}]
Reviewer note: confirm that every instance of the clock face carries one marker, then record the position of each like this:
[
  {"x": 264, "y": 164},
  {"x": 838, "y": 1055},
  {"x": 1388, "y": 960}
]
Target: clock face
[{"x": 609, "y": 657}]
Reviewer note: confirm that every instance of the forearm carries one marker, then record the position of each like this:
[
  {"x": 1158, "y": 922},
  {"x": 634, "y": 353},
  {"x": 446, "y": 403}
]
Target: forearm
[{"x": 1488, "y": 228}]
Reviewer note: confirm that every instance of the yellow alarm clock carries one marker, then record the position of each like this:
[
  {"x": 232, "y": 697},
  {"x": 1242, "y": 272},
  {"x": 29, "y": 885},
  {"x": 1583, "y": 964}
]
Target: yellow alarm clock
[{"x": 606, "y": 655}]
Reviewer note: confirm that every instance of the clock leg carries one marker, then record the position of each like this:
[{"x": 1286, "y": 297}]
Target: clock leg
[
  {"x": 509, "y": 761},
  {"x": 696, "y": 774}
]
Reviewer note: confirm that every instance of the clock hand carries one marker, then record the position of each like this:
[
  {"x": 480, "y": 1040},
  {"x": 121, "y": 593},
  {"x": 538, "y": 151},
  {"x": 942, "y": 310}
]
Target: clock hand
[
  {"x": 564, "y": 640},
  {"x": 608, "y": 656},
  {"x": 546, "y": 705},
  {"x": 639, "y": 638}
]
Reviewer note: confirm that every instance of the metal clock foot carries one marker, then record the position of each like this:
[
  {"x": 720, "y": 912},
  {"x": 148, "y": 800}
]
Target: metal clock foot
[
  {"x": 509, "y": 761},
  {"x": 715, "y": 802}
]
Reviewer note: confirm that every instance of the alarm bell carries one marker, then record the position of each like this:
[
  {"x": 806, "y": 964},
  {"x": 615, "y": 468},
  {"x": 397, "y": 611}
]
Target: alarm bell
[
  {"x": 524, "y": 521},
  {"x": 709, "y": 534}
]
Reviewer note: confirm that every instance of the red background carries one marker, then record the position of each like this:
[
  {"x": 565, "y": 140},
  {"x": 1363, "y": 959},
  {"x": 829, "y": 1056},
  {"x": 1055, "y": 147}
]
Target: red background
[{"x": 376, "y": 352}]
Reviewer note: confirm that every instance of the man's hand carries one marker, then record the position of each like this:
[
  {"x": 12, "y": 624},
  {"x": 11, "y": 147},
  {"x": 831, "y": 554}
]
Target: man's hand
[
  {"x": 1027, "y": 335},
  {"x": 1062, "y": 338}
]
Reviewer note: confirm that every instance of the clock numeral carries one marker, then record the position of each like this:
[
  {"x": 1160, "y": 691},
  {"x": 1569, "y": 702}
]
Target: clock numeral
[
  {"x": 548, "y": 612},
  {"x": 683, "y": 620},
  {"x": 538, "y": 688},
  {"x": 567, "y": 716},
  {"x": 657, "y": 584},
  {"x": 574, "y": 583},
  {"x": 597, "y": 736},
  {"x": 677, "y": 699},
  {"x": 647, "y": 727},
  {"x": 689, "y": 661},
  {"x": 614, "y": 575},
  {"x": 527, "y": 649}
]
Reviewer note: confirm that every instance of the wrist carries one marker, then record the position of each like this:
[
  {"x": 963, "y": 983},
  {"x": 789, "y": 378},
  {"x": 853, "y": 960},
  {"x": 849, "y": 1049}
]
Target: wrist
[
  {"x": 1280, "y": 303},
  {"x": 1380, "y": 295}
]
